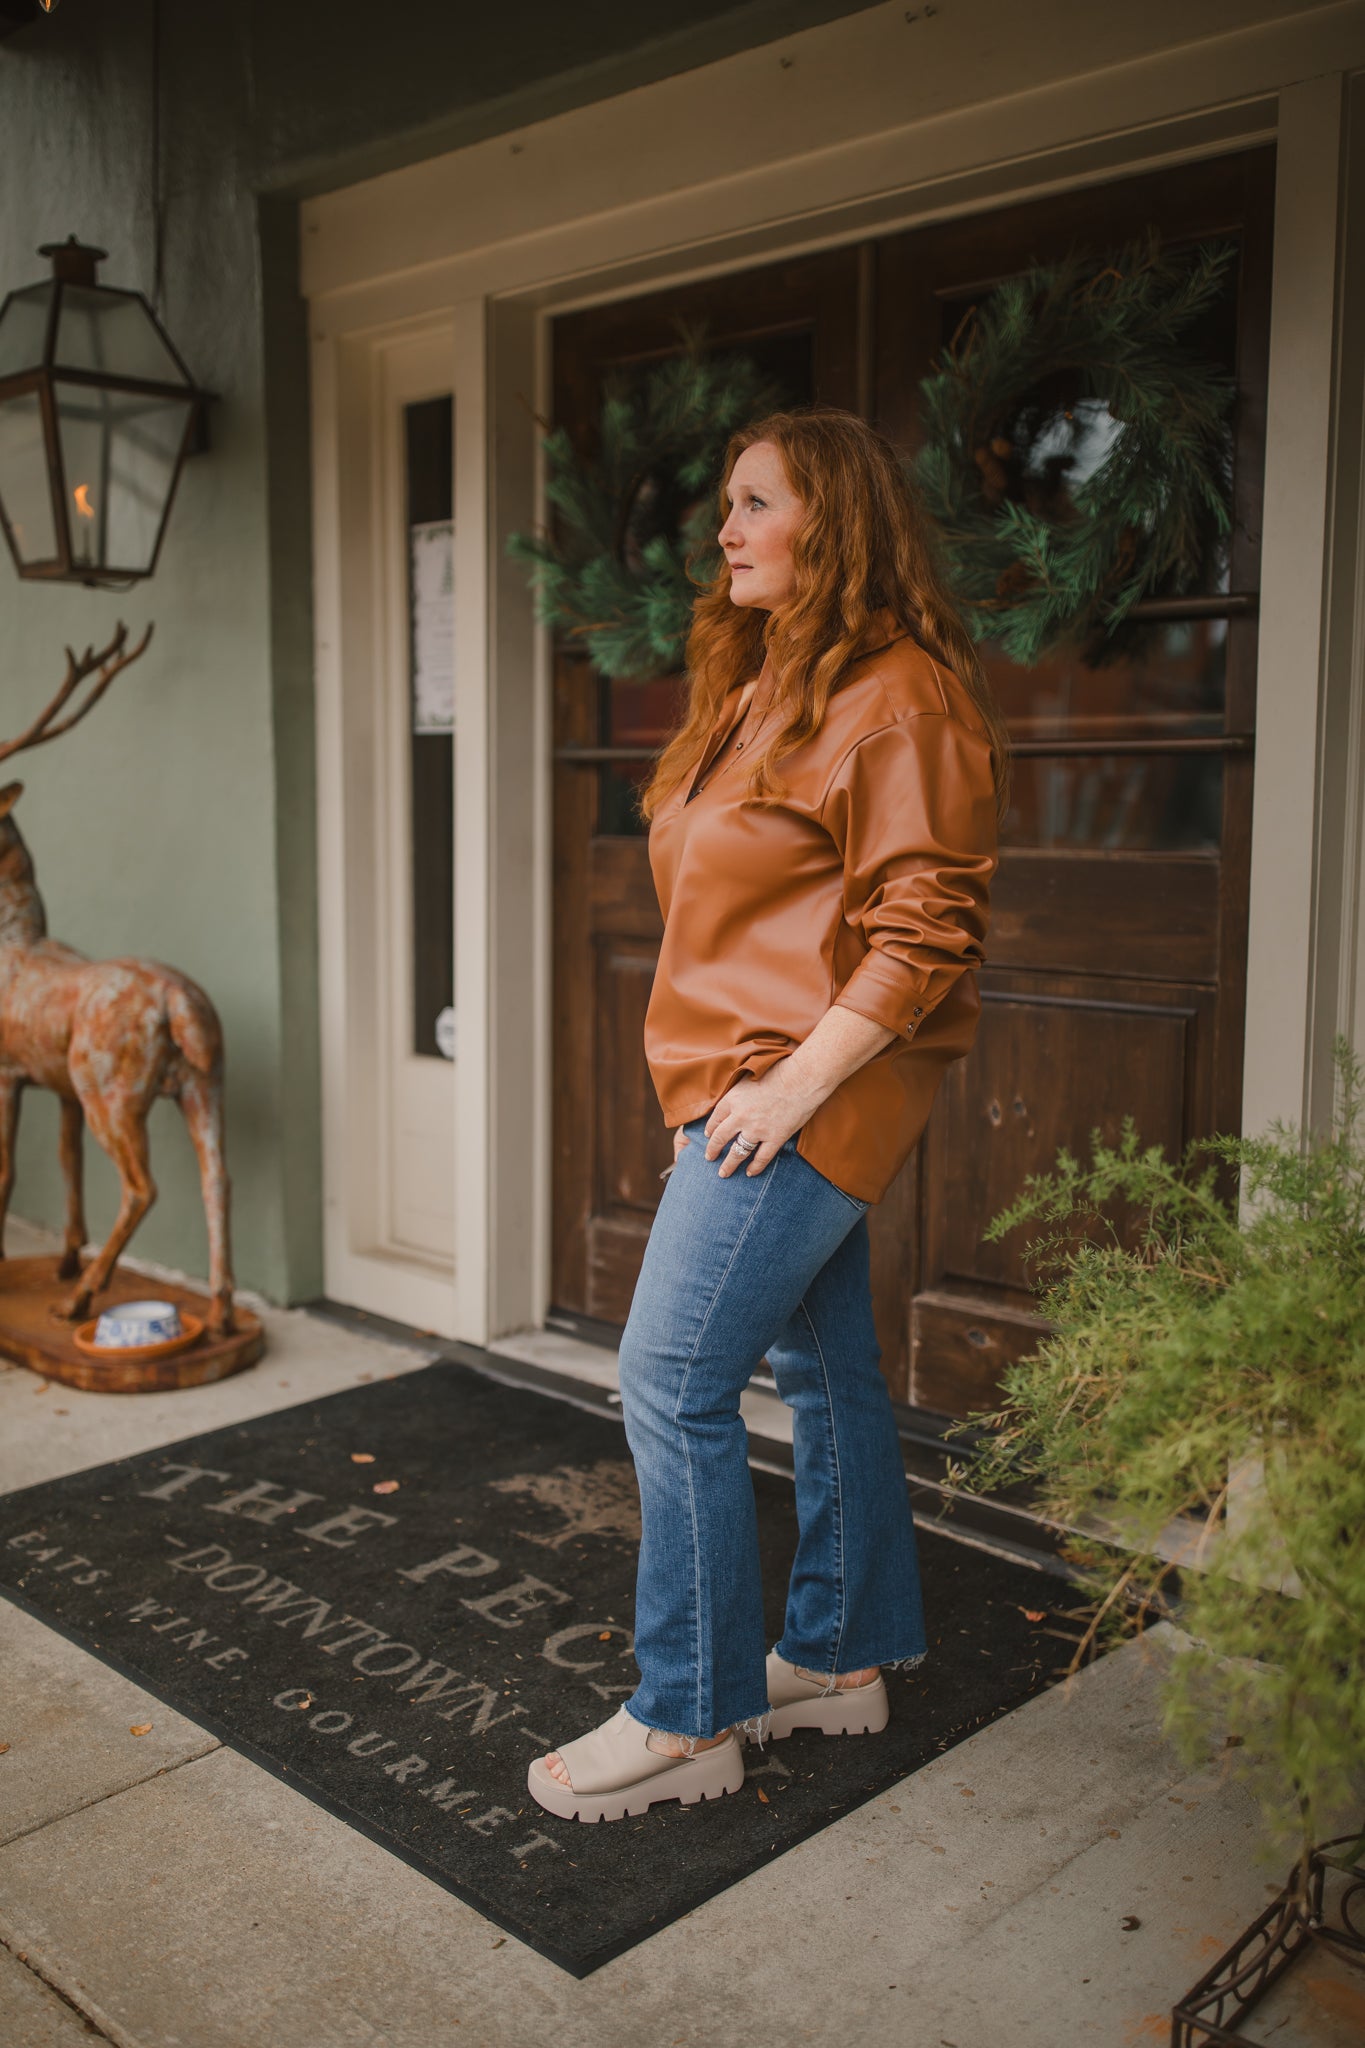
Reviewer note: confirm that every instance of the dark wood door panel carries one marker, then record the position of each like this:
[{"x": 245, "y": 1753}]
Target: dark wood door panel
[
  {"x": 629, "y": 1147},
  {"x": 1115, "y": 971},
  {"x": 633, "y": 1146},
  {"x": 799, "y": 319},
  {"x": 958, "y": 1355},
  {"x": 615, "y": 1250},
  {"x": 622, "y": 890},
  {"x": 1115, "y": 914},
  {"x": 897, "y": 1269},
  {"x": 1046, "y": 1070}
]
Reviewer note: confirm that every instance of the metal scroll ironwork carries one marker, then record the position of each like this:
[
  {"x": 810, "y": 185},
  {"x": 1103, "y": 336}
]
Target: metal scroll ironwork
[{"x": 1209, "y": 2014}]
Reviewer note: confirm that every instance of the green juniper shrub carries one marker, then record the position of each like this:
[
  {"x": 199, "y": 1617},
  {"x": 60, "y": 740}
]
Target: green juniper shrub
[{"x": 1194, "y": 1422}]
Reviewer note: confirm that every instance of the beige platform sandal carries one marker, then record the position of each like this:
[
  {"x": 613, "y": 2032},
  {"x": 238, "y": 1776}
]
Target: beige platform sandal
[
  {"x": 804, "y": 1699},
  {"x": 614, "y": 1773}
]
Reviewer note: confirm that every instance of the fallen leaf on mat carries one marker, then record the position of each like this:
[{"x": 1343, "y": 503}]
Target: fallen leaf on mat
[
  {"x": 386, "y": 1486},
  {"x": 762, "y": 1794},
  {"x": 1034, "y": 1613},
  {"x": 141, "y": 1728},
  {"x": 3, "y": 1747},
  {"x": 362, "y": 1457}
]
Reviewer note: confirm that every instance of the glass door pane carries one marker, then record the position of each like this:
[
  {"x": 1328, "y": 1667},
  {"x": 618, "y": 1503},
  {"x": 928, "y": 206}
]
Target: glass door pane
[{"x": 429, "y": 451}]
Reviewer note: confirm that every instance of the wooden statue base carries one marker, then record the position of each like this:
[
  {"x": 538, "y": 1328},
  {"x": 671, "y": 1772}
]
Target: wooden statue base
[{"x": 31, "y": 1335}]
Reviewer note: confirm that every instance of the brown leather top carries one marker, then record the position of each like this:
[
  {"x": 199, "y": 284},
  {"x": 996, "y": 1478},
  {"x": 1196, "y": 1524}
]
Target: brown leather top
[{"x": 868, "y": 885}]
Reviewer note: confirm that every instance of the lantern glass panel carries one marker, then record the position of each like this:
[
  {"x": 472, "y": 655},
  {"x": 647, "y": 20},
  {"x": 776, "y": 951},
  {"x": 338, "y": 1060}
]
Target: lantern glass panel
[
  {"x": 25, "y": 490},
  {"x": 23, "y": 329},
  {"x": 112, "y": 333},
  {"x": 119, "y": 452}
]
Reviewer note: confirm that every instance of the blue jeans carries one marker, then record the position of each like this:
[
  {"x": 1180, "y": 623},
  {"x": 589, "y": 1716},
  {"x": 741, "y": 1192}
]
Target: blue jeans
[{"x": 737, "y": 1267}]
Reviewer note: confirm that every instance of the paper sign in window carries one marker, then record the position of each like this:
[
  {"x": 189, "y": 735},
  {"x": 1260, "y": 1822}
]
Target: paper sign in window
[{"x": 431, "y": 558}]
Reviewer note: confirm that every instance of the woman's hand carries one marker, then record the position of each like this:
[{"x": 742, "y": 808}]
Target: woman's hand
[
  {"x": 787, "y": 1096},
  {"x": 767, "y": 1110}
]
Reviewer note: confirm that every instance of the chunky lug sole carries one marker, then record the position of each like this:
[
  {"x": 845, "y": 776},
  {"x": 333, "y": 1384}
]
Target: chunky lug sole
[
  {"x": 709, "y": 1775},
  {"x": 801, "y": 1703},
  {"x": 848, "y": 1712}
]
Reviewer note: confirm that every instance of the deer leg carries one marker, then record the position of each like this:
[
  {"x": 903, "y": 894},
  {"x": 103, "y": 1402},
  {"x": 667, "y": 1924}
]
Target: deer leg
[
  {"x": 201, "y": 1101},
  {"x": 73, "y": 1172},
  {"x": 11, "y": 1087},
  {"x": 123, "y": 1136}
]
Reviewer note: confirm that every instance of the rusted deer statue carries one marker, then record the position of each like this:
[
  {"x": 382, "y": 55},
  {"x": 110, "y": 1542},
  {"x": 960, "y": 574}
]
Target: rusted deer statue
[{"x": 107, "y": 1036}]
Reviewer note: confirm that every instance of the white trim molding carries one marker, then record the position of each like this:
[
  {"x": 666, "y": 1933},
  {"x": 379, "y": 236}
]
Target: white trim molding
[
  {"x": 363, "y": 880},
  {"x": 1338, "y": 971},
  {"x": 1293, "y": 571},
  {"x": 889, "y": 101}
]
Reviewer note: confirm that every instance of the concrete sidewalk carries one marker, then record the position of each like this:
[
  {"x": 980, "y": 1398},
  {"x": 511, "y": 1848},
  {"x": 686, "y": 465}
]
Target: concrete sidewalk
[{"x": 163, "y": 1892}]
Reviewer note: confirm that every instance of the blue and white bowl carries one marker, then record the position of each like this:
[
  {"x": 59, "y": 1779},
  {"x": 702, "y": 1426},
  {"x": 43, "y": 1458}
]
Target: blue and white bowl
[{"x": 130, "y": 1324}]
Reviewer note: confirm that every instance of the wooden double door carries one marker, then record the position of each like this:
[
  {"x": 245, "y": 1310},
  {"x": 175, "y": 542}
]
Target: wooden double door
[{"x": 1115, "y": 973}]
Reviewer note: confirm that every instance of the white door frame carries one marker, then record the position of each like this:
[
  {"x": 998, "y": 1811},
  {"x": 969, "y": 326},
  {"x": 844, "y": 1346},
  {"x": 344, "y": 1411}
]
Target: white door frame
[
  {"x": 782, "y": 150},
  {"x": 376, "y": 1093}
]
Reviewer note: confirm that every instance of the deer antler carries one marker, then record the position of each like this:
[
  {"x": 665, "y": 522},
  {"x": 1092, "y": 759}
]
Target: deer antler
[{"x": 117, "y": 655}]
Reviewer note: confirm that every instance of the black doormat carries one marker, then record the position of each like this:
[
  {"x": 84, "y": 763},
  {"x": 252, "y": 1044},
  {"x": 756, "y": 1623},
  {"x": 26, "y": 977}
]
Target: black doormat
[{"x": 394, "y": 1597}]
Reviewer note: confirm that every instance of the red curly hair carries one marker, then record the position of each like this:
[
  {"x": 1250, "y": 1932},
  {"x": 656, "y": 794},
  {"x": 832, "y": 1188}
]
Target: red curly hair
[{"x": 864, "y": 549}]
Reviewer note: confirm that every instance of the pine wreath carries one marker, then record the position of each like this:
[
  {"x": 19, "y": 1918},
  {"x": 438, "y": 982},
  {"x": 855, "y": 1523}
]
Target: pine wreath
[
  {"x": 1078, "y": 446},
  {"x": 634, "y": 515}
]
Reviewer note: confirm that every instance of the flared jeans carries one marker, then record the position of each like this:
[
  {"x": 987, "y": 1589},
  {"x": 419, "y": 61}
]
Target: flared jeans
[{"x": 737, "y": 1267}]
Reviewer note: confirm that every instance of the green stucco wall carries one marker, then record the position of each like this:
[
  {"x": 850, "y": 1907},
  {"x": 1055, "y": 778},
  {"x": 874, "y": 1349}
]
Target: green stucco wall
[{"x": 178, "y": 821}]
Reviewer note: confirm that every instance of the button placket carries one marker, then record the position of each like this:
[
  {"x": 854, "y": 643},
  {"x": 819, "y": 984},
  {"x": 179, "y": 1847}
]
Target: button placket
[{"x": 715, "y": 761}]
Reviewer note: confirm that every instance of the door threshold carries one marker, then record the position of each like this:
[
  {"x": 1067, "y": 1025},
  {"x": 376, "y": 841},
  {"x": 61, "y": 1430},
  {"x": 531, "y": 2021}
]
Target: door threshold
[
  {"x": 582, "y": 1370},
  {"x": 557, "y": 1358},
  {"x": 767, "y": 1419}
]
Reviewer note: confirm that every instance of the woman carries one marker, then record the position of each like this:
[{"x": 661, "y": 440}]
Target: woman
[{"x": 823, "y": 925}]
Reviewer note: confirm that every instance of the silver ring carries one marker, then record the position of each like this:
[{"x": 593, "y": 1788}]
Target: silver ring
[{"x": 744, "y": 1146}]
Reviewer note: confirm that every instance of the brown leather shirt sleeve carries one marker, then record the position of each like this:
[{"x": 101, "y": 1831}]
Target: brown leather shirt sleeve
[{"x": 911, "y": 809}]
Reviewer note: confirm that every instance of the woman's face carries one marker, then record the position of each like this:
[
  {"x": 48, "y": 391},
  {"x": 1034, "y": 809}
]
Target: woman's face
[{"x": 765, "y": 513}]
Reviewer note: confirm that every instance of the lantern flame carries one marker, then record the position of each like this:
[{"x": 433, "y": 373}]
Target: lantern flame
[{"x": 83, "y": 505}]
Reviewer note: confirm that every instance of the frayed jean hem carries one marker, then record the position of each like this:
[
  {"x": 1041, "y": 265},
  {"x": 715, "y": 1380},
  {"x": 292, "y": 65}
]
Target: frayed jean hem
[
  {"x": 819, "y": 1662},
  {"x": 750, "y": 1724}
]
